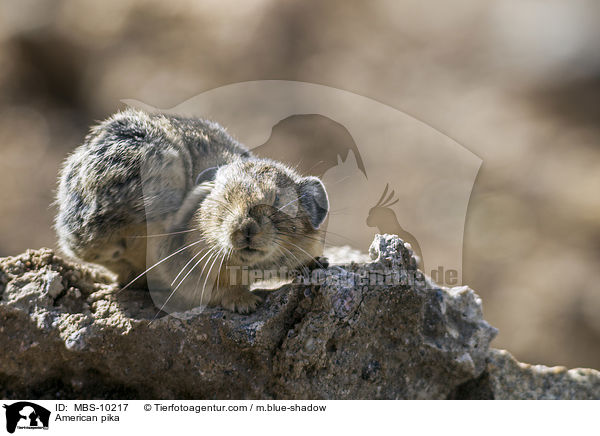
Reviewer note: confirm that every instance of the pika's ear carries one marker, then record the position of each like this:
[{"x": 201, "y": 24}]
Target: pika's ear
[
  {"x": 313, "y": 199},
  {"x": 208, "y": 175}
]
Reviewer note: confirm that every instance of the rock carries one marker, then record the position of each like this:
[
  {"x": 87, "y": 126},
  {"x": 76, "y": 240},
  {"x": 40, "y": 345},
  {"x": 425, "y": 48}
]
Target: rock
[
  {"x": 352, "y": 331},
  {"x": 507, "y": 379}
]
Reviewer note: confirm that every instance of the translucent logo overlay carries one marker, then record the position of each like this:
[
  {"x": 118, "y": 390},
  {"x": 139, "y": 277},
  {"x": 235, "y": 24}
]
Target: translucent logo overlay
[{"x": 384, "y": 172}]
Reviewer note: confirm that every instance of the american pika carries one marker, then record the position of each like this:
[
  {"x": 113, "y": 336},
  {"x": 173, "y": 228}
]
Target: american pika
[{"x": 181, "y": 196}]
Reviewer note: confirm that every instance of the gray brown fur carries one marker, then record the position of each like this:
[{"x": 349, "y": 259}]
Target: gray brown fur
[{"x": 136, "y": 174}]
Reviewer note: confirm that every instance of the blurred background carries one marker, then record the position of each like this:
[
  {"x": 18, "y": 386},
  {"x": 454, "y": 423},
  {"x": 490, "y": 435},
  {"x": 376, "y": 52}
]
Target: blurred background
[{"x": 517, "y": 82}]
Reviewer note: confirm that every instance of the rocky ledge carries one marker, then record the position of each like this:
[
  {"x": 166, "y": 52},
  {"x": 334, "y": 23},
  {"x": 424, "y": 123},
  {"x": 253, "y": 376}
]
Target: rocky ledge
[{"x": 371, "y": 330}]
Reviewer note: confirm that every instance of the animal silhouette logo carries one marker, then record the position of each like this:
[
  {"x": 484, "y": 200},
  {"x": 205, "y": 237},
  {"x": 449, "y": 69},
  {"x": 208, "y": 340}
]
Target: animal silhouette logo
[
  {"x": 26, "y": 415},
  {"x": 312, "y": 143},
  {"x": 384, "y": 218}
]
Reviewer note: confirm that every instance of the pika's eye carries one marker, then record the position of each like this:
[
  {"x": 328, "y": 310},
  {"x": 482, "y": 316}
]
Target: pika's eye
[
  {"x": 276, "y": 199},
  {"x": 293, "y": 228}
]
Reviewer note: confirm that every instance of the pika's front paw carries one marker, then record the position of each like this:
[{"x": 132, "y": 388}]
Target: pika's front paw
[{"x": 240, "y": 301}]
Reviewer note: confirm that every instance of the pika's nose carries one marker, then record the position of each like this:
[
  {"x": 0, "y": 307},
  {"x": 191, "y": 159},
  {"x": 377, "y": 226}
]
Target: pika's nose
[{"x": 242, "y": 237}]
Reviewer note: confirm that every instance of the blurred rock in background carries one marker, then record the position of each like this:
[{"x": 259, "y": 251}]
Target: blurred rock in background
[{"x": 517, "y": 82}]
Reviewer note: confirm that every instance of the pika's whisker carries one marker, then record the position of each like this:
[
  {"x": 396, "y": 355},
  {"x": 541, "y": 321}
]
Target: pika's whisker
[
  {"x": 300, "y": 264},
  {"x": 282, "y": 256},
  {"x": 340, "y": 181},
  {"x": 293, "y": 201},
  {"x": 338, "y": 210},
  {"x": 312, "y": 238},
  {"x": 219, "y": 273},
  {"x": 189, "y": 272},
  {"x": 213, "y": 253},
  {"x": 208, "y": 275},
  {"x": 159, "y": 263},
  {"x": 307, "y": 253},
  {"x": 299, "y": 163},
  {"x": 338, "y": 235},
  {"x": 311, "y": 168},
  {"x": 163, "y": 234},
  {"x": 175, "y": 289},
  {"x": 222, "y": 203},
  {"x": 187, "y": 264}
]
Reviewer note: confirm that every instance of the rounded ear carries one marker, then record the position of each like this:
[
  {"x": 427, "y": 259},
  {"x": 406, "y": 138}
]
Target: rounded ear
[
  {"x": 207, "y": 175},
  {"x": 313, "y": 199}
]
